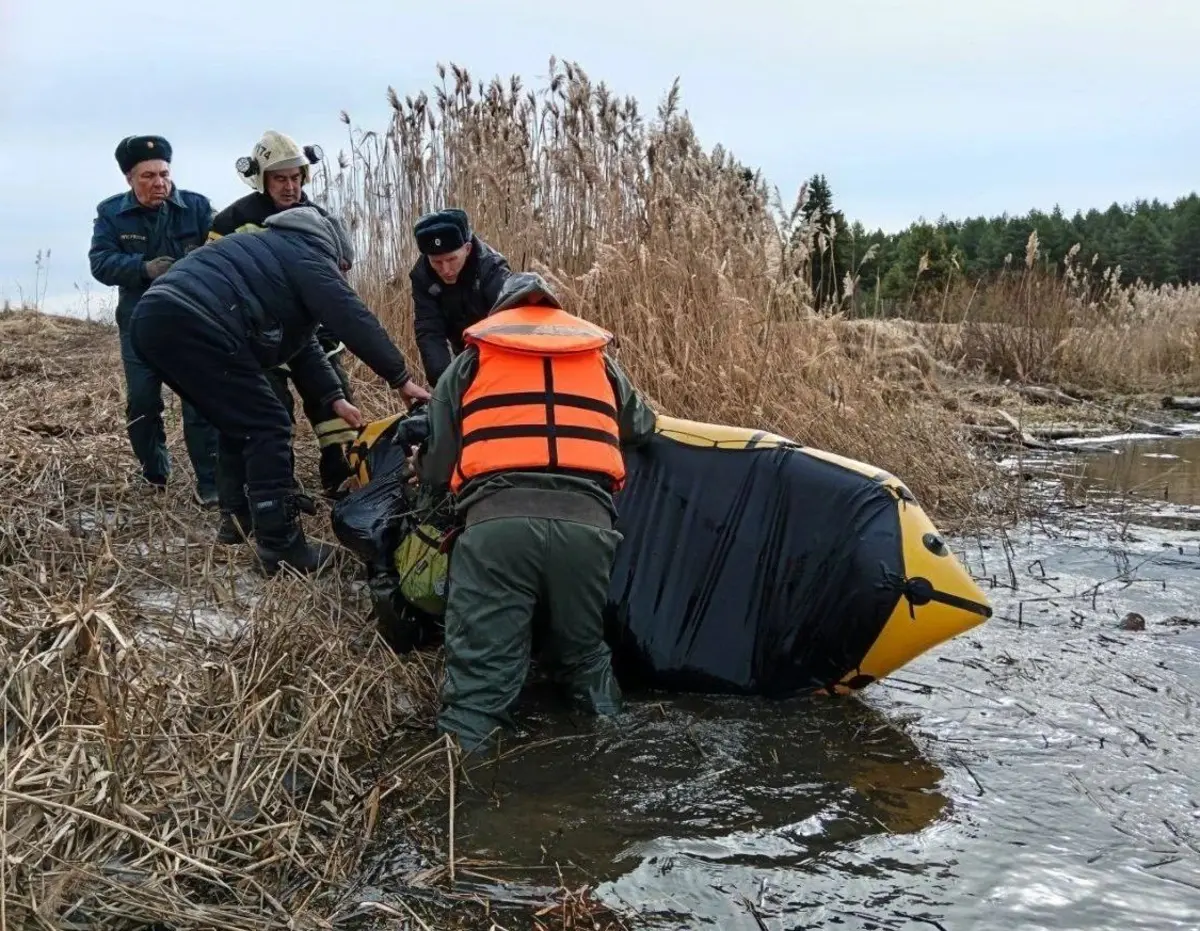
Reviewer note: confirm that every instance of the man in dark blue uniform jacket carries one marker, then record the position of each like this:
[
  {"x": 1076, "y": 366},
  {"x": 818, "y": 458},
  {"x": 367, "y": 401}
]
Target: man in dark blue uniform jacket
[
  {"x": 455, "y": 282},
  {"x": 136, "y": 236}
]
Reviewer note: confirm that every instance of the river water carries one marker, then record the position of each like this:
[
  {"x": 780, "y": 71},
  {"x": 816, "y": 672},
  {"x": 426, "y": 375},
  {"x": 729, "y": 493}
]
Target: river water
[{"x": 1040, "y": 772}]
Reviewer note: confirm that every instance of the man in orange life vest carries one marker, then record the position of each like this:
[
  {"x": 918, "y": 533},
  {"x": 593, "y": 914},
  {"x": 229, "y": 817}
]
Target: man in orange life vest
[{"x": 526, "y": 430}]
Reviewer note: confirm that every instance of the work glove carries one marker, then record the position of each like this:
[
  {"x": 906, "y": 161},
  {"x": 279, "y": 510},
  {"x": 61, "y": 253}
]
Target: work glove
[{"x": 158, "y": 266}]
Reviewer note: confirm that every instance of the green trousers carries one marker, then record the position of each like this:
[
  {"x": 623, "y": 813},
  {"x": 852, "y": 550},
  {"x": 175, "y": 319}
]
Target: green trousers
[{"x": 500, "y": 571}]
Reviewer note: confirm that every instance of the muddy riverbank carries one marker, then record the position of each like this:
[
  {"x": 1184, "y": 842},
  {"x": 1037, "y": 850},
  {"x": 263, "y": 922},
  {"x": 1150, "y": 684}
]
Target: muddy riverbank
[{"x": 190, "y": 746}]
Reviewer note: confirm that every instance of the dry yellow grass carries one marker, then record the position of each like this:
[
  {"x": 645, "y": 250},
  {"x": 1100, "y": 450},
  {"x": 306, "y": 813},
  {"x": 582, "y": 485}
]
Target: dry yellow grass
[
  {"x": 1078, "y": 327},
  {"x": 187, "y": 745}
]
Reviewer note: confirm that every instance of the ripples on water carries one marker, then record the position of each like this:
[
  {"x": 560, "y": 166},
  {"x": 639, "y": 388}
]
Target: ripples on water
[{"x": 1042, "y": 771}]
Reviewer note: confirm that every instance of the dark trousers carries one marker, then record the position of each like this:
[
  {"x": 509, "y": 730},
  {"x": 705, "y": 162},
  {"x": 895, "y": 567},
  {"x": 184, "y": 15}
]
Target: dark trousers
[
  {"x": 222, "y": 378},
  {"x": 314, "y": 410},
  {"x": 500, "y": 570},
  {"x": 231, "y": 458},
  {"x": 147, "y": 436},
  {"x": 232, "y": 466}
]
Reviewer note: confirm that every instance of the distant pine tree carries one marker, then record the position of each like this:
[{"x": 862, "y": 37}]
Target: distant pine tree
[
  {"x": 831, "y": 250},
  {"x": 1152, "y": 241}
]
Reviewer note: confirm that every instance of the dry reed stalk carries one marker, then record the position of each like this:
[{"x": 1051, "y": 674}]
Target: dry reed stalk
[
  {"x": 450, "y": 778},
  {"x": 681, "y": 252}
]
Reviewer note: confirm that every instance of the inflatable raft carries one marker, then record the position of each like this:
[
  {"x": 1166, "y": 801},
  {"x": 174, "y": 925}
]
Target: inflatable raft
[{"x": 750, "y": 564}]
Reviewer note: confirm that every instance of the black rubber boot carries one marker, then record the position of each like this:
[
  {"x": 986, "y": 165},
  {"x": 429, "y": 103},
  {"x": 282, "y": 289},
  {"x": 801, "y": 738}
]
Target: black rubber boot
[
  {"x": 304, "y": 502},
  {"x": 280, "y": 539},
  {"x": 231, "y": 491},
  {"x": 334, "y": 470},
  {"x": 235, "y": 527}
]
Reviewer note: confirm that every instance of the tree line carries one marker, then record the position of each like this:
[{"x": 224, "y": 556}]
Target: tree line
[{"x": 1148, "y": 241}]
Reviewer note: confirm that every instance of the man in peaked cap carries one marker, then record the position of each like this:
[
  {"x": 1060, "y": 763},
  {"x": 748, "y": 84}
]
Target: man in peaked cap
[
  {"x": 136, "y": 236},
  {"x": 454, "y": 284}
]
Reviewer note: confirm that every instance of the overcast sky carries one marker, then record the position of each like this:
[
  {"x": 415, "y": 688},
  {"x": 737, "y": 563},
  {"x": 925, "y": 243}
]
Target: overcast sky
[{"x": 909, "y": 107}]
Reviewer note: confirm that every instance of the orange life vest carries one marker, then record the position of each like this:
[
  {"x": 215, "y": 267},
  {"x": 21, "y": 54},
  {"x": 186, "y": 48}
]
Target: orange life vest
[{"x": 541, "y": 399}]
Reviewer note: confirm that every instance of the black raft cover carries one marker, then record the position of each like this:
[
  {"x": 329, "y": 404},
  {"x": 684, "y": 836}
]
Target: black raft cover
[
  {"x": 762, "y": 571},
  {"x": 371, "y": 521}
]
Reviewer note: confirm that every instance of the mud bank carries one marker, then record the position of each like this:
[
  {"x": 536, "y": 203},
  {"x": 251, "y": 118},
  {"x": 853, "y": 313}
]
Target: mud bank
[{"x": 1037, "y": 773}]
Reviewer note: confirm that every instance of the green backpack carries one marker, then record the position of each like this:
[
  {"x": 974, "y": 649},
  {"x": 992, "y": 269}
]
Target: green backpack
[{"x": 422, "y": 561}]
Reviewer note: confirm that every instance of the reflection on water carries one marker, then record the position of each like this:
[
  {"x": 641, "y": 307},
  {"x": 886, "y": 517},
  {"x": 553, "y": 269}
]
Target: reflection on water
[
  {"x": 691, "y": 778},
  {"x": 1163, "y": 470},
  {"x": 1041, "y": 771}
]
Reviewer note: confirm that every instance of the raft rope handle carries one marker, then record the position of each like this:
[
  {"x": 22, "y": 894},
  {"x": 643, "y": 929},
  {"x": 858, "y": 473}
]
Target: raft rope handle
[{"x": 920, "y": 591}]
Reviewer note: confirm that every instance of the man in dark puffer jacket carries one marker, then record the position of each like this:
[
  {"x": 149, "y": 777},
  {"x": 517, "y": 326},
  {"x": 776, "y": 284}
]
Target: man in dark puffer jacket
[{"x": 249, "y": 302}]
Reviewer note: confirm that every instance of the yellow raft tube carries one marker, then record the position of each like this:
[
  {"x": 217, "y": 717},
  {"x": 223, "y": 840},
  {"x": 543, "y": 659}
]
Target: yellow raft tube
[{"x": 955, "y": 602}]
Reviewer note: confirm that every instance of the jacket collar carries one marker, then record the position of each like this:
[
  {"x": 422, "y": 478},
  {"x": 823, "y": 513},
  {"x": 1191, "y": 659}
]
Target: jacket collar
[
  {"x": 129, "y": 203},
  {"x": 265, "y": 199}
]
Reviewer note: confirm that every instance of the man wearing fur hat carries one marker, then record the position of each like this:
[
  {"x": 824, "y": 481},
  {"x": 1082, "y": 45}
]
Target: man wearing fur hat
[
  {"x": 278, "y": 169},
  {"x": 454, "y": 284},
  {"x": 136, "y": 236}
]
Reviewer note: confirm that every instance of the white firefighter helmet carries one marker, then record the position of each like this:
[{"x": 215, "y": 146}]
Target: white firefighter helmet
[{"x": 276, "y": 152}]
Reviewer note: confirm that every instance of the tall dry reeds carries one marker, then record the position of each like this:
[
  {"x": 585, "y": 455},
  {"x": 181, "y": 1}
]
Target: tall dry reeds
[
  {"x": 681, "y": 251},
  {"x": 173, "y": 738},
  {"x": 1072, "y": 325}
]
